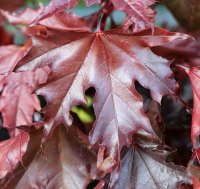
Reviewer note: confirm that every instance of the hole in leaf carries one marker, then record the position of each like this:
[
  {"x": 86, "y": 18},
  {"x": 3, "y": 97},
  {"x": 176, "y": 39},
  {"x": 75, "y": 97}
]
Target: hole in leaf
[
  {"x": 84, "y": 115},
  {"x": 145, "y": 93},
  {"x": 131, "y": 28},
  {"x": 92, "y": 184},
  {"x": 42, "y": 100},
  {"x": 185, "y": 186},
  {"x": 4, "y": 134},
  {"x": 196, "y": 162},
  {"x": 90, "y": 92},
  {"x": 37, "y": 117}
]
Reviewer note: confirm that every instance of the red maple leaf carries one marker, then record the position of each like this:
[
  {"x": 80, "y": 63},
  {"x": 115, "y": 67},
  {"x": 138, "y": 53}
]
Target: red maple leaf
[
  {"x": 120, "y": 75},
  {"x": 79, "y": 60}
]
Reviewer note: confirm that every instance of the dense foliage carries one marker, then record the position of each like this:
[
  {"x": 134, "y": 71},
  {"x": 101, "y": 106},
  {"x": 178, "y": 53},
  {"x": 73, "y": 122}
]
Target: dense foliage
[{"x": 93, "y": 102}]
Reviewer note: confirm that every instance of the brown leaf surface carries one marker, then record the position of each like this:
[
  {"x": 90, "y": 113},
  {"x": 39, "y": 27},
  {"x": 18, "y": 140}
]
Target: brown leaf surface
[{"x": 187, "y": 12}]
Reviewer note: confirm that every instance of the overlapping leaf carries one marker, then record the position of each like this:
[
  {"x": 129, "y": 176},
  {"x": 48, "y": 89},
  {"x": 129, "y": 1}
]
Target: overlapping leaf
[
  {"x": 10, "y": 55},
  {"x": 60, "y": 20},
  {"x": 64, "y": 162},
  {"x": 138, "y": 10},
  {"x": 194, "y": 170},
  {"x": 11, "y": 179},
  {"x": 79, "y": 60},
  {"x": 148, "y": 169},
  {"x": 25, "y": 17},
  {"x": 194, "y": 74},
  {"x": 56, "y": 6},
  {"x": 17, "y": 104},
  {"x": 12, "y": 151}
]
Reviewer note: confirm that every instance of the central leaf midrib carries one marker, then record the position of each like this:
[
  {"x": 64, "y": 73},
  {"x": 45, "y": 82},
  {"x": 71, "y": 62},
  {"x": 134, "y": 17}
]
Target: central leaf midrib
[{"x": 115, "y": 113}]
